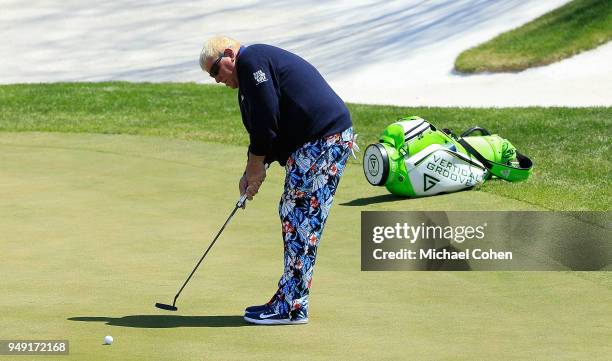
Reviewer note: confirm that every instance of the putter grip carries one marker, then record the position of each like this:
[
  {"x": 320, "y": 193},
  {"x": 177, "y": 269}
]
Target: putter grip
[
  {"x": 241, "y": 200},
  {"x": 243, "y": 197}
]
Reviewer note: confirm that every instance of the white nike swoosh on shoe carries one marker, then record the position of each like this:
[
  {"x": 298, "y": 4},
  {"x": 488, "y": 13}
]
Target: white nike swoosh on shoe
[{"x": 264, "y": 316}]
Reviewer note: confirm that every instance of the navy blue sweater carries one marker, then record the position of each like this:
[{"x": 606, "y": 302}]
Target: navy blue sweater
[{"x": 285, "y": 102}]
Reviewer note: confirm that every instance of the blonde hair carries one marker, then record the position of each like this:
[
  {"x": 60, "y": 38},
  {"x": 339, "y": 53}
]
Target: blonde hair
[{"x": 215, "y": 46}]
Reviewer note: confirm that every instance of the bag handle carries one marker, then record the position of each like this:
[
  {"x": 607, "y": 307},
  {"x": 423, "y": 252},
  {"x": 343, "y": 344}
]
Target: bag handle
[{"x": 482, "y": 131}]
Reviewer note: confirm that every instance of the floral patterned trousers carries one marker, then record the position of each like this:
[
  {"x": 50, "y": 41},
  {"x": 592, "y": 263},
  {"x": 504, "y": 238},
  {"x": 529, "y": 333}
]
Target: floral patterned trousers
[{"x": 313, "y": 174}]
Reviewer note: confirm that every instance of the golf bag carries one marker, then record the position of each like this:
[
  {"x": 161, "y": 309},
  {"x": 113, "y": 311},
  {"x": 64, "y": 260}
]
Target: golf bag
[{"x": 415, "y": 159}]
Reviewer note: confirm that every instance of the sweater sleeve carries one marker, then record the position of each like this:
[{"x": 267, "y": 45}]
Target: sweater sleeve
[{"x": 259, "y": 87}]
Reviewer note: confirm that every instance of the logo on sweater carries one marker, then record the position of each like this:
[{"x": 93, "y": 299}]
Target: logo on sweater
[{"x": 260, "y": 77}]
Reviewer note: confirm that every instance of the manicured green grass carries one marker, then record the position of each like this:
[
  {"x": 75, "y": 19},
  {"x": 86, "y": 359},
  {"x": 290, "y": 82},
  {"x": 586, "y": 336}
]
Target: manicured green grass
[
  {"x": 97, "y": 228},
  {"x": 576, "y": 27},
  {"x": 568, "y": 146}
]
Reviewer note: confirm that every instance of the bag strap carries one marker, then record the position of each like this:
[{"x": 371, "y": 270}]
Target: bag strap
[{"x": 475, "y": 153}]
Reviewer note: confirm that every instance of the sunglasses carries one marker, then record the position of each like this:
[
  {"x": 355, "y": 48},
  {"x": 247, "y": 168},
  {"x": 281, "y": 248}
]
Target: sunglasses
[{"x": 214, "y": 68}]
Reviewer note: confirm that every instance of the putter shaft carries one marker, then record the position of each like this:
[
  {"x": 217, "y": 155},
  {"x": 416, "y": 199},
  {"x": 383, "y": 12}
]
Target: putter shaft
[
  {"x": 239, "y": 204},
  {"x": 207, "y": 250}
]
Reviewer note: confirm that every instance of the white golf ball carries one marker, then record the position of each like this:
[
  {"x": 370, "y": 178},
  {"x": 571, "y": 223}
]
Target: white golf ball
[{"x": 108, "y": 340}]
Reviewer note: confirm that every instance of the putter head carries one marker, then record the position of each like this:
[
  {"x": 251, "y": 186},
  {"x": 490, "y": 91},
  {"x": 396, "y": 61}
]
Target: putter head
[{"x": 164, "y": 306}]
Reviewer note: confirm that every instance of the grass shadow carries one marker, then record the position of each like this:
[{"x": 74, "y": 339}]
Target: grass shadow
[
  {"x": 386, "y": 198},
  {"x": 163, "y": 321},
  {"x": 373, "y": 200}
]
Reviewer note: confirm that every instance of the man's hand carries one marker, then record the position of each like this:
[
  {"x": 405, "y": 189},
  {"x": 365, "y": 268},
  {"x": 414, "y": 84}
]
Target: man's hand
[
  {"x": 242, "y": 185},
  {"x": 253, "y": 177}
]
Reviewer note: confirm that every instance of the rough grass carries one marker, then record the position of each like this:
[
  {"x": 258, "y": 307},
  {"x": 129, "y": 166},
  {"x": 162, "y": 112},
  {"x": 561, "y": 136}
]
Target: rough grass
[
  {"x": 571, "y": 29},
  {"x": 569, "y": 146}
]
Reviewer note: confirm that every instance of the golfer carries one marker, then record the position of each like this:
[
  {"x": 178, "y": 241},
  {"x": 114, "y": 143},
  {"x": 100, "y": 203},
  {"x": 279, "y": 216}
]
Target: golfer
[{"x": 295, "y": 118}]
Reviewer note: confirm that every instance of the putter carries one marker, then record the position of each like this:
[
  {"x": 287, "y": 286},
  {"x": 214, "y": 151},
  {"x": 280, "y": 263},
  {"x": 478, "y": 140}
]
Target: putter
[{"x": 173, "y": 307}]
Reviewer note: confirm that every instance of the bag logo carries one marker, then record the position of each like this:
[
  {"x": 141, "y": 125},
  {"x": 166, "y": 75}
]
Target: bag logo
[
  {"x": 373, "y": 168},
  {"x": 260, "y": 77},
  {"x": 429, "y": 182}
]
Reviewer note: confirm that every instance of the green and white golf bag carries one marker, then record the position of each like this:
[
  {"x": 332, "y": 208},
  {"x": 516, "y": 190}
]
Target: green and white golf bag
[{"x": 415, "y": 159}]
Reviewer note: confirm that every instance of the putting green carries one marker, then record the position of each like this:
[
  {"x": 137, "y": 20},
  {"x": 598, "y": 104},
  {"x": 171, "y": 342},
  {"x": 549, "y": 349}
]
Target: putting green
[{"x": 97, "y": 228}]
